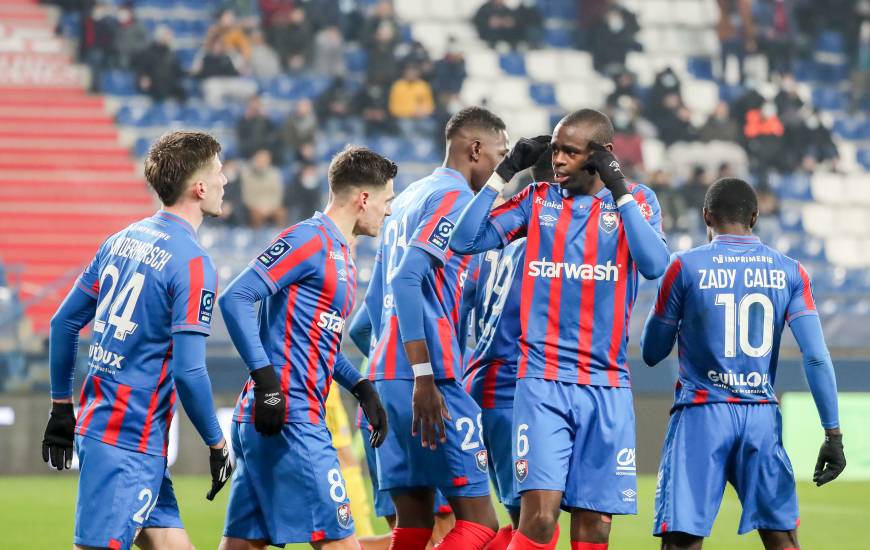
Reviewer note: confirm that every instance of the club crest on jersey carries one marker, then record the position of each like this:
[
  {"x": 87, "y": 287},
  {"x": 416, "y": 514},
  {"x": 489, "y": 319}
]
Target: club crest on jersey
[
  {"x": 521, "y": 469},
  {"x": 441, "y": 234},
  {"x": 646, "y": 210},
  {"x": 206, "y": 305},
  {"x": 608, "y": 221},
  {"x": 482, "y": 460},
  {"x": 343, "y": 515},
  {"x": 274, "y": 252}
]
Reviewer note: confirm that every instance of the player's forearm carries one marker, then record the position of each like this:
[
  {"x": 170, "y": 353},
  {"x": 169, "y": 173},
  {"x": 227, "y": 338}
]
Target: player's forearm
[
  {"x": 74, "y": 314},
  {"x": 360, "y": 330},
  {"x": 474, "y": 232},
  {"x": 657, "y": 340},
  {"x": 193, "y": 384},
  {"x": 818, "y": 367},
  {"x": 345, "y": 373},
  {"x": 407, "y": 289},
  {"x": 238, "y": 306},
  {"x": 374, "y": 300},
  {"x": 646, "y": 247}
]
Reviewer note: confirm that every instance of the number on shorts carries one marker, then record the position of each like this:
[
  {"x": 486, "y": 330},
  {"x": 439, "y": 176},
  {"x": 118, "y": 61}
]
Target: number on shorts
[
  {"x": 522, "y": 441},
  {"x": 466, "y": 423},
  {"x": 146, "y": 509},
  {"x": 337, "y": 491}
]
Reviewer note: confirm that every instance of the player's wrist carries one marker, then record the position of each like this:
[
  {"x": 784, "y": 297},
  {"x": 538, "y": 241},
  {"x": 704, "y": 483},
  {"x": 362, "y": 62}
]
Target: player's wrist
[
  {"x": 833, "y": 434},
  {"x": 422, "y": 370},
  {"x": 219, "y": 445},
  {"x": 61, "y": 401},
  {"x": 624, "y": 199},
  {"x": 496, "y": 183}
]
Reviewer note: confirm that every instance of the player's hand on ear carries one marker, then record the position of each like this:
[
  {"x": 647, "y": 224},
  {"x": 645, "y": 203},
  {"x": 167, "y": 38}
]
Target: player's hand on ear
[
  {"x": 604, "y": 163},
  {"x": 525, "y": 153},
  {"x": 370, "y": 402},
  {"x": 832, "y": 460},
  {"x": 429, "y": 412},
  {"x": 270, "y": 406},
  {"x": 221, "y": 469},
  {"x": 57, "y": 443}
]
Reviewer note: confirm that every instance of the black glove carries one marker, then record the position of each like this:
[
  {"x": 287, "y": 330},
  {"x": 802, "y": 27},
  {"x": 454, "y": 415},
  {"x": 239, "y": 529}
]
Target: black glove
[
  {"x": 370, "y": 403},
  {"x": 605, "y": 164},
  {"x": 525, "y": 153},
  {"x": 832, "y": 460},
  {"x": 270, "y": 407},
  {"x": 221, "y": 469},
  {"x": 57, "y": 443}
]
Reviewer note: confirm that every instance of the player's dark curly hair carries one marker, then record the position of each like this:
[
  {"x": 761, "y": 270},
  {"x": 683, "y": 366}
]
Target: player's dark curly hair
[
  {"x": 473, "y": 117},
  {"x": 731, "y": 200},
  {"x": 174, "y": 158},
  {"x": 359, "y": 166},
  {"x": 602, "y": 127}
]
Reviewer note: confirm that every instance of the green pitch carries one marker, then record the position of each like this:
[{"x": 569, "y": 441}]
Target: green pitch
[{"x": 37, "y": 512}]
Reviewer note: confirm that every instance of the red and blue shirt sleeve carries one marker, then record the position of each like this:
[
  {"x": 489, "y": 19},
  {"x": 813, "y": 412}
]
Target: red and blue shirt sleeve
[
  {"x": 193, "y": 384},
  {"x": 482, "y": 227},
  {"x": 193, "y": 288},
  {"x": 89, "y": 281},
  {"x": 296, "y": 254},
  {"x": 642, "y": 219},
  {"x": 72, "y": 316},
  {"x": 660, "y": 329},
  {"x": 345, "y": 373},
  {"x": 440, "y": 214},
  {"x": 801, "y": 301}
]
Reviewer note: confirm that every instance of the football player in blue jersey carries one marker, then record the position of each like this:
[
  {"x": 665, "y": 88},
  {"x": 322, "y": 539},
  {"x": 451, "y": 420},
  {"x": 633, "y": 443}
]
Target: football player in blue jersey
[
  {"x": 150, "y": 291},
  {"x": 288, "y": 485},
  {"x": 726, "y": 304}
]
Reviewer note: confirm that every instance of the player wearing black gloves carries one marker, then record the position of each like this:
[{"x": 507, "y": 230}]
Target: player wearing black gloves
[
  {"x": 371, "y": 406},
  {"x": 57, "y": 443},
  {"x": 832, "y": 458},
  {"x": 270, "y": 406}
]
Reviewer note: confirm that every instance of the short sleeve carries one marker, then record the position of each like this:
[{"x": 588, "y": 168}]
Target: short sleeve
[
  {"x": 441, "y": 212},
  {"x": 193, "y": 291},
  {"x": 293, "y": 256},
  {"x": 511, "y": 218},
  {"x": 649, "y": 207},
  {"x": 801, "y": 301},
  {"x": 669, "y": 300}
]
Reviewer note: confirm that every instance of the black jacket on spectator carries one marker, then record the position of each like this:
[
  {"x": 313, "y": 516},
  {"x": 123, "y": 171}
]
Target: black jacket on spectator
[
  {"x": 217, "y": 65},
  {"x": 157, "y": 66},
  {"x": 449, "y": 74},
  {"x": 255, "y": 133}
]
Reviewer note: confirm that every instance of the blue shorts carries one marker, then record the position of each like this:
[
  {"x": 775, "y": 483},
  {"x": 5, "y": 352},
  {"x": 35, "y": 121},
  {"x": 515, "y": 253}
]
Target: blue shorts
[
  {"x": 497, "y": 435},
  {"x": 458, "y": 467},
  {"x": 383, "y": 502},
  {"x": 707, "y": 445},
  {"x": 288, "y": 487},
  {"x": 120, "y": 492},
  {"x": 577, "y": 439}
]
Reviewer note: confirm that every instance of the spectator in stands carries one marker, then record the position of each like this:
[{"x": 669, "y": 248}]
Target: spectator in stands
[
  {"x": 97, "y": 41},
  {"x": 158, "y": 71},
  {"x": 750, "y": 100},
  {"x": 232, "y": 209},
  {"x": 673, "y": 121},
  {"x": 411, "y": 100},
  {"x": 274, "y": 11},
  {"x": 300, "y": 128},
  {"x": 130, "y": 37},
  {"x": 695, "y": 188},
  {"x": 666, "y": 83},
  {"x": 719, "y": 125},
  {"x": 788, "y": 102},
  {"x": 293, "y": 38},
  {"x": 381, "y": 69},
  {"x": 325, "y": 13},
  {"x": 415, "y": 53},
  {"x": 246, "y": 11},
  {"x": 334, "y": 106},
  {"x": 255, "y": 131},
  {"x": 736, "y": 30},
  {"x": 448, "y": 74},
  {"x": 220, "y": 72},
  {"x": 263, "y": 191},
  {"x": 762, "y": 133},
  {"x": 496, "y": 24},
  {"x": 264, "y": 63},
  {"x": 611, "y": 37},
  {"x": 228, "y": 32},
  {"x": 626, "y": 86},
  {"x": 531, "y": 23},
  {"x": 329, "y": 52},
  {"x": 379, "y": 24},
  {"x": 371, "y": 103},
  {"x": 811, "y": 141},
  {"x": 671, "y": 201},
  {"x": 775, "y": 30},
  {"x": 303, "y": 196},
  {"x": 627, "y": 142}
]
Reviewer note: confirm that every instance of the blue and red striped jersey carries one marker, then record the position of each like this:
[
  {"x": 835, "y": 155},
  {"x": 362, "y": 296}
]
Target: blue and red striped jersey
[
  {"x": 579, "y": 281},
  {"x": 423, "y": 216},
  {"x": 731, "y": 299},
  {"x": 491, "y": 374},
  {"x": 150, "y": 280},
  {"x": 311, "y": 273}
]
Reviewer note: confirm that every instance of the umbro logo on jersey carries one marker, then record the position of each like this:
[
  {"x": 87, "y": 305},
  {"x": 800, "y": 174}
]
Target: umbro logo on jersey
[
  {"x": 206, "y": 305},
  {"x": 547, "y": 220},
  {"x": 441, "y": 234},
  {"x": 274, "y": 252},
  {"x": 584, "y": 272},
  {"x": 521, "y": 469},
  {"x": 343, "y": 515},
  {"x": 331, "y": 321},
  {"x": 482, "y": 460},
  {"x": 98, "y": 354}
]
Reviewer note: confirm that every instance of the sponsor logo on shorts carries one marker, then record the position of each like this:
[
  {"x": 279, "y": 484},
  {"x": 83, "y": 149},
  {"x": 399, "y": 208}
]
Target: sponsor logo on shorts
[
  {"x": 628, "y": 495},
  {"x": 206, "y": 305},
  {"x": 274, "y": 253},
  {"x": 739, "y": 382},
  {"x": 441, "y": 234},
  {"x": 521, "y": 469},
  {"x": 625, "y": 462},
  {"x": 343, "y": 515},
  {"x": 482, "y": 460},
  {"x": 608, "y": 221}
]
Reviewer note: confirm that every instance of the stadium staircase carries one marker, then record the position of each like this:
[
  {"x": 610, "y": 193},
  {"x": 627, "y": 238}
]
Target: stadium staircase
[{"x": 66, "y": 180}]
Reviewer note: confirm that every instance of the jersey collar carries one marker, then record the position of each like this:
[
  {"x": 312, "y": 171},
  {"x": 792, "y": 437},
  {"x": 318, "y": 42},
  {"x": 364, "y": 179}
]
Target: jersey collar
[
  {"x": 736, "y": 239},
  {"x": 601, "y": 195},
  {"x": 331, "y": 227},
  {"x": 443, "y": 171},
  {"x": 178, "y": 220}
]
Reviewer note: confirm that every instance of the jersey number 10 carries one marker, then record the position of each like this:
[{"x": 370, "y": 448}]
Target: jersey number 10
[
  {"x": 737, "y": 321},
  {"x": 120, "y": 308}
]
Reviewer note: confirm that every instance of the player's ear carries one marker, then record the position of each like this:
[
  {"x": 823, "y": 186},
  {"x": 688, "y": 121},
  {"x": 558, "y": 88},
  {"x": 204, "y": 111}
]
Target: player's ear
[
  {"x": 708, "y": 218},
  {"x": 363, "y": 199},
  {"x": 199, "y": 188},
  {"x": 474, "y": 150},
  {"x": 753, "y": 219},
  {"x": 609, "y": 146}
]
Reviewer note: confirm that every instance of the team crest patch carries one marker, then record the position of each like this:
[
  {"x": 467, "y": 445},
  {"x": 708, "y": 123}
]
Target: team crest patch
[
  {"x": 646, "y": 210},
  {"x": 521, "y": 469},
  {"x": 343, "y": 515},
  {"x": 206, "y": 305},
  {"x": 608, "y": 221},
  {"x": 274, "y": 252},
  {"x": 482, "y": 460},
  {"x": 441, "y": 234}
]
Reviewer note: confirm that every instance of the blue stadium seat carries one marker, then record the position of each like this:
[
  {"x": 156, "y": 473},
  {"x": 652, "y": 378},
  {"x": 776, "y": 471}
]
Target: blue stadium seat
[
  {"x": 730, "y": 93},
  {"x": 828, "y": 99},
  {"x": 831, "y": 42},
  {"x": 804, "y": 70},
  {"x": 141, "y": 147},
  {"x": 558, "y": 38},
  {"x": 513, "y": 63},
  {"x": 558, "y": 9},
  {"x": 543, "y": 94},
  {"x": 701, "y": 67},
  {"x": 863, "y": 158},
  {"x": 356, "y": 59},
  {"x": 790, "y": 219},
  {"x": 849, "y": 128},
  {"x": 118, "y": 82}
]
